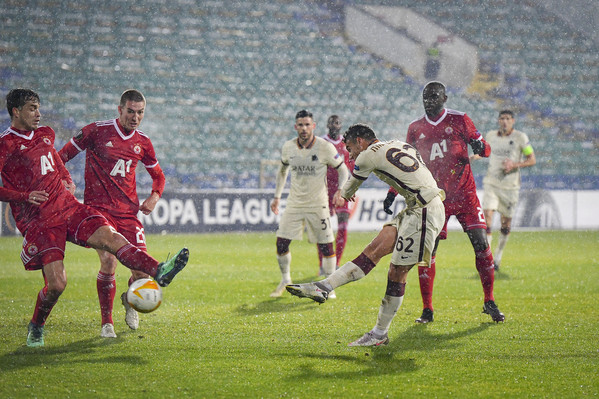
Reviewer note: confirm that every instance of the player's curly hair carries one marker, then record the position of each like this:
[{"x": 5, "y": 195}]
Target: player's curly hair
[
  {"x": 16, "y": 98},
  {"x": 359, "y": 130}
]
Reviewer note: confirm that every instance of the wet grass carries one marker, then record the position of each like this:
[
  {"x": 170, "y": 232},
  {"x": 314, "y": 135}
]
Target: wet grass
[{"x": 219, "y": 334}]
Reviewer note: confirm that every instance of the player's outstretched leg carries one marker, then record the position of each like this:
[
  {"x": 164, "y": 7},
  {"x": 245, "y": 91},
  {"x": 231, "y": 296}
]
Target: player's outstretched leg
[
  {"x": 35, "y": 335},
  {"x": 315, "y": 291},
  {"x": 491, "y": 309},
  {"x": 371, "y": 339},
  {"x": 131, "y": 316},
  {"x": 169, "y": 269}
]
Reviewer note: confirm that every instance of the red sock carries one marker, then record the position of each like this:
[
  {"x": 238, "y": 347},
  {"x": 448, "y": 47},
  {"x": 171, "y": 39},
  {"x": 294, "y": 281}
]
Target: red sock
[
  {"x": 426, "y": 275},
  {"x": 106, "y": 285},
  {"x": 486, "y": 271},
  {"x": 43, "y": 307},
  {"x": 340, "y": 241},
  {"x": 134, "y": 258}
]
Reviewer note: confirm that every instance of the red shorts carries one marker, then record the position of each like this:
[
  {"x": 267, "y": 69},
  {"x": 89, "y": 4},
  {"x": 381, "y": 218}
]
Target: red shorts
[
  {"x": 468, "y": 212},
  {"x": 44, "y": 241},
  {"x": 129, "y": 226}
]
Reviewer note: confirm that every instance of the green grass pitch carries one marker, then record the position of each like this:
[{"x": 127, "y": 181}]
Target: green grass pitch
[{"x": 219, "y": 334}]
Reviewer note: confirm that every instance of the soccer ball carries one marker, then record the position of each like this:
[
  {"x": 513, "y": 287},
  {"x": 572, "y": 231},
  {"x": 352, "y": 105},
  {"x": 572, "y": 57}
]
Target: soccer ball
[{"x": 144, "y": 295}]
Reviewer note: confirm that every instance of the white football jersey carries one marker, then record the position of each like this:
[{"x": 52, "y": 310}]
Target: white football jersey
[
  {"x": 308, "y": 168},
  {"x": 399, "y": 165},
  {"x": 505, "y": 147}
]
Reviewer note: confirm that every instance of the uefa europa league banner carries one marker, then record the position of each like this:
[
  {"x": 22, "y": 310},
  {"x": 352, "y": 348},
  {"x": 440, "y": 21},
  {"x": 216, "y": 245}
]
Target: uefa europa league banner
[{"x": 249, "y": 210}]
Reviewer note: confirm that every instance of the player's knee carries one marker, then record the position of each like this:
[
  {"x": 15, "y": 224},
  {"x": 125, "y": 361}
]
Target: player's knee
[{"x": 282, "y": 245}]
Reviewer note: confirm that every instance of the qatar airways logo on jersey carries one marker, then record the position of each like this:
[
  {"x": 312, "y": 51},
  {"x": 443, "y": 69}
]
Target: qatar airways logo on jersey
[{"x": 301, "y": 170}]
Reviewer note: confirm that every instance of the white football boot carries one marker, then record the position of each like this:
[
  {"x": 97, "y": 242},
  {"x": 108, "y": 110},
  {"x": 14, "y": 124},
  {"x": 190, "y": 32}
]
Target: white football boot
[
  {"x": 131, "y": 316},
  {"x": 107, "y": 331}
]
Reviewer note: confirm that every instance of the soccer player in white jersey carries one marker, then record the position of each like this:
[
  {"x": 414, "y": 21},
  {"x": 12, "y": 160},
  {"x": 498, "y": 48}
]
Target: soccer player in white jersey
[
  {"x": 410, "y": 236},
  {"x": 306, "y": 158},
  {"x": 510, "y": 151}
]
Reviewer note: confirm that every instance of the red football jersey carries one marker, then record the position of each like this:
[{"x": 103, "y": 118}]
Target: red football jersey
[
  {"x": 111, "y": 161},
  {"x": 443, "y": 145},
  {"x": 29, "y": 162},
  {"x": 332, "y": 173}
]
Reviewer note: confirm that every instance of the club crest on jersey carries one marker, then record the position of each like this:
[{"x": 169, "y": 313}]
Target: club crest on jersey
[
  {"x": 448, "y": 130},
  {"x": 31, "y": 249},
  {"x": 109, "y": 144},
  {"x": 47, "y": 141},
  {"x": 137, "y": 149},
  {"x": 314, "y": 158}
]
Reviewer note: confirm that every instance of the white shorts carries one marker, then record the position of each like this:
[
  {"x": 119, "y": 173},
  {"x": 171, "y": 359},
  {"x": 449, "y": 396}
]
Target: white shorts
[
  {"x": 417, "y": 230},
  {"x": 317, "y": 223},
  {"x": 501, "y": 200}
]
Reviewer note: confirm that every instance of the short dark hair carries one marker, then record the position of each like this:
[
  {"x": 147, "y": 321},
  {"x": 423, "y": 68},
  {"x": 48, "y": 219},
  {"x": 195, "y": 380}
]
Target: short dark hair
[
  {"x": 16, "y": 98},
  {"x": 359, "y": 130},
  {"x": 506, "y": 112},
  {"x": 132, "y": 95},
  {"x": 303, "y": 114}
]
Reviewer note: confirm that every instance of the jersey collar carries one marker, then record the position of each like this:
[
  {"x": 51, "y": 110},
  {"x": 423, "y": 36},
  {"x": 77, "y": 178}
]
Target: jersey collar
[
  {"x": 435, "y": 123},
  {"x": 21, "y": 133},
  {"x": 120, "y": 130},
  {"x": 310, "y": 144}
]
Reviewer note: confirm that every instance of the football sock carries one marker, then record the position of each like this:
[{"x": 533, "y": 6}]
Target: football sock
[
  {"x": 426, "y": 276},
  {"x": 489, "y": 238},
  {"x": 134, "y": 258},
  {"x": 328, "y": 265},
  {"x": 500, "y": 247},
  {"x": 284, "y": 265},
  {"x": 340, "y": 241},
  {"x": 43, "y": 306},
  {"x": 345, "y": 274},
  {"x": 319, "y": 256},
  {"x": 389, "y": 307},
  {"x": 486, "y": 271},
  {"x": 106, "y": 286}
]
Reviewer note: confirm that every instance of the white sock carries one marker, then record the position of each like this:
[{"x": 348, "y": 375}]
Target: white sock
[
  {"x": 328, "y": 265},
  {"x": 500, "y": 247},
  {"x": 389, "y": 307},
  {"x": 345, "y": 274},
  {"x": 284, "y": 265},
  {"x": 489, "y": 239}
]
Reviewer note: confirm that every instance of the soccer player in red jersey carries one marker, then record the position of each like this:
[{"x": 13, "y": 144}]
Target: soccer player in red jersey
[
  {"x": 333, "y": 184},
  {"x": 442, "y": 137},
  {"x": 113, "y": 149},
  {"x": 48, "y": 214}
]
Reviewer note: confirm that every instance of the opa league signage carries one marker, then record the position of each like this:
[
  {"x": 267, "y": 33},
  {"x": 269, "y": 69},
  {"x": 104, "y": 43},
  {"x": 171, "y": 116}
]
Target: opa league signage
[
  {"x": 249, "y": 210},
  {"x": 222, "y": 211}
]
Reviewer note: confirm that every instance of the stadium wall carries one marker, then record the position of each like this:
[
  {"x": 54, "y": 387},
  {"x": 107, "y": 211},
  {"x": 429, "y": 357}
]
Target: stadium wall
[{"x": 249, "y": 211}]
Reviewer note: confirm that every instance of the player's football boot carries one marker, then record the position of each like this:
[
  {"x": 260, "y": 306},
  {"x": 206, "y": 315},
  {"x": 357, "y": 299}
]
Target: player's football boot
[
  {"x": 491, "y": 309},
  {"x": 169, "y": 269},
  {"x": 131, "y": 316},
  {"x": 308, "y": 290},
  {"x": 107, "y": 331},
  {"x": 370, "y": 339},
  {"x": 427, "y": 316},
  {"x": 280, "y": 289},
  {"x": 35, "y": 335}
]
